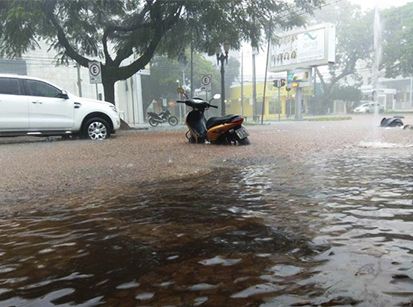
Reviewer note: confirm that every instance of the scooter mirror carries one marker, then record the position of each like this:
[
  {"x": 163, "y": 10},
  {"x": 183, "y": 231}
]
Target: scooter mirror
[{"x": 217, "y": 96}]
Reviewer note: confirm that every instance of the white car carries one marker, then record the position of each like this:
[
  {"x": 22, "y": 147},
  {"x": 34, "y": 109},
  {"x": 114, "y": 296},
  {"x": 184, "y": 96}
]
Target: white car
[
  {"x": 369, "y": 107},
  {"x": 31, "y": 106}
]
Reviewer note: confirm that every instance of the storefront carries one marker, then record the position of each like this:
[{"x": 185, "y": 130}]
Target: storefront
[{"x": 274, "y": 108}]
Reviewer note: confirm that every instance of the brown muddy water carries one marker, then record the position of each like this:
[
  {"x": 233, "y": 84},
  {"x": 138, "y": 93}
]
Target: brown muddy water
[{"x": 335, "y": 229}]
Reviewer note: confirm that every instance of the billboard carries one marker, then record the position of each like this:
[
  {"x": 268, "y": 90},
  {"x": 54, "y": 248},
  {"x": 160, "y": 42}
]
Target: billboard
[
  {"x": 313, "y": 46},
  {"x": 299, "y": 77}
]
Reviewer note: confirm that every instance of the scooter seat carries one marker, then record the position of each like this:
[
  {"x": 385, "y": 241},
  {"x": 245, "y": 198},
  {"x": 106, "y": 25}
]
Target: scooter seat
[{"x": 215, "y": 121}]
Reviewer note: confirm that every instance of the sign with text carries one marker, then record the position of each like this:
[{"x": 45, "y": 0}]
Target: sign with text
[{"x": 313, "y": 46}]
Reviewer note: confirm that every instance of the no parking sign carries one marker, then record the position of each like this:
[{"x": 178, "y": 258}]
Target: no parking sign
[
  {"x": 95, "y": 73},
  {"x": 206, "y": 82}
]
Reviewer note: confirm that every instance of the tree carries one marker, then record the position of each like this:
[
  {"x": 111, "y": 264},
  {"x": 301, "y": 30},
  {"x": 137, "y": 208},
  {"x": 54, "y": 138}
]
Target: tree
[
  {"x": 398, "y": 42},
  {"x": 354, "y": 43},
  {"x": 124, "y": 34},
  {"x": 231, "y": 72},
  {"x": 162, "y": 82}
]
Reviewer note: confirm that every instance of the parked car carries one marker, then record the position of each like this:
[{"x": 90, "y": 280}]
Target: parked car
[
  {"x": 369, "y": 107},
  {"x": 31, "y": 106}
]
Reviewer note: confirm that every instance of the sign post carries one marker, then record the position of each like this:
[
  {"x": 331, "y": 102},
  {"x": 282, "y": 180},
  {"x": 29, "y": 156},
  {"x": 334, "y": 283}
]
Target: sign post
[
  {"x": 279, "y": 83},
  {"x": 206, "y": 81},
  {"x": 95, "y": 75}
]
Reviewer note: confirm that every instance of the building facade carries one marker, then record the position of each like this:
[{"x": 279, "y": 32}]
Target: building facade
[{"x": 274, "y": 108}]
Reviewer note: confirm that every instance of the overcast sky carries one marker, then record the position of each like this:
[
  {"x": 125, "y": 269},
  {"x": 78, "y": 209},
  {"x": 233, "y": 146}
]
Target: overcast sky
[{"x": 370, "y": 4}]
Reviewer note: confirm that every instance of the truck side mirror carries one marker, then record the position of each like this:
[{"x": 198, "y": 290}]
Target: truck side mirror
[{"x": 63, "y": 94}]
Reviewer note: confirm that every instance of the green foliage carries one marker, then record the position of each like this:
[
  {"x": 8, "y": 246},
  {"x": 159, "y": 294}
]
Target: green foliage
[
  {"x": 165, "y": 72},
  {"x": 354, "y": 33},
  {"x": 125, "y": 34},
  {"x": 398, "y": 41},
  {"x": 232, "y": 70},
  {"x": 346, "y": 93},
  {"x": 354, "y": 36}
]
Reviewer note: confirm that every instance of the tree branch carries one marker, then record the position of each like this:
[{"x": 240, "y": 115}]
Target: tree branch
[
  {"x": 108, "y": 58},
  {"x": 127, "y": 71},
  {"x": 160, "y": 30},
  {"x": 69, "y": 50},
  {"x": 323, "y": 83},
  {"x": 138, "y": 21}
]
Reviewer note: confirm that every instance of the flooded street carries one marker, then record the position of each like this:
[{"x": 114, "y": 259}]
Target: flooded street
[{"x": 333, "y": 228}]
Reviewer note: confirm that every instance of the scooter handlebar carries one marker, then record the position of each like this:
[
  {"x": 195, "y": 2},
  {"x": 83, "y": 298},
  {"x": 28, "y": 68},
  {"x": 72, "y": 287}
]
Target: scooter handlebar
[{"x": 193, "y": 104}]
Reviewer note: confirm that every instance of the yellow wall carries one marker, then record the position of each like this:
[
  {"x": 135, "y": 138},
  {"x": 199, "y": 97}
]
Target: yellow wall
[{"x": 234, "y": 101}]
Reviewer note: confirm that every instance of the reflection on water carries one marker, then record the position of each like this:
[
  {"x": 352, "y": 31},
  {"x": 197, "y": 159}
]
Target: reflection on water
[{"x": 334, "y": 230}]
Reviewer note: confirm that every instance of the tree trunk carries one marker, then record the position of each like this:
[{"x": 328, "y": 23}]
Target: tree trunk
[{"x": 109, "y": 91}]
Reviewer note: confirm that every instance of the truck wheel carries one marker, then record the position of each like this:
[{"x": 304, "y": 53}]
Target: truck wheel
[{"x": 96, "y": 129}]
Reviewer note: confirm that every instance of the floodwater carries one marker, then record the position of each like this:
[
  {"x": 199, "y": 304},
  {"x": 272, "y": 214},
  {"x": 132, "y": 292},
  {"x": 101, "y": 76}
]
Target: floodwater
[{"x": 335, "y": 229}]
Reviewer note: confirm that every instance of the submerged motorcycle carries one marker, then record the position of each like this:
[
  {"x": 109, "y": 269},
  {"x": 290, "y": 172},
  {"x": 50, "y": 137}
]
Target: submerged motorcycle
[
  {"x": 216, "y": 130},
  {"x": 394, "y": 121},
  {"x": 155, "y": 119}
]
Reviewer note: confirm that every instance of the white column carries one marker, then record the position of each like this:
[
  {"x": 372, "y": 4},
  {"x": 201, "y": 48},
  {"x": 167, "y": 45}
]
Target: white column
[
  {"x": 298, "y": 98},
  {"x": 139, "y": 101}
]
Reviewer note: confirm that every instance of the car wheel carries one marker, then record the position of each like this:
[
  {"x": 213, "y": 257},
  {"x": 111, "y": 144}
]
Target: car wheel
[{"x": 96, "y": 129}]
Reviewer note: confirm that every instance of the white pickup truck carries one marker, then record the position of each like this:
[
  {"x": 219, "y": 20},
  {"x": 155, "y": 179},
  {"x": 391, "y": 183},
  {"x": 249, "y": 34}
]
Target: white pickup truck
[{"x": 31, "y": 106}]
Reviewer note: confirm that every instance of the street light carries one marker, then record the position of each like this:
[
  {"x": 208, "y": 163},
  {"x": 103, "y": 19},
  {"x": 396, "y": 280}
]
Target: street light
[{"x": 222, "y": 56}]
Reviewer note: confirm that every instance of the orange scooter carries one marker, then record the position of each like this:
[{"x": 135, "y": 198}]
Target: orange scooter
[{"x": 216, "y": 130}]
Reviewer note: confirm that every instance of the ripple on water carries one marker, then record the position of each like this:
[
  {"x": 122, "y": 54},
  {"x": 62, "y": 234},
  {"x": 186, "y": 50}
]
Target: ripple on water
[
  {"x": 256, "y": 290},
  {"x": 313, "y": 232},
  {"x": 128, "y": 285},
  {"x": 218, "y": 260},
  {"x": 145, "y": 296},
  {"x": 202, "y": 287},
  {"x": 383, "y": 145}
]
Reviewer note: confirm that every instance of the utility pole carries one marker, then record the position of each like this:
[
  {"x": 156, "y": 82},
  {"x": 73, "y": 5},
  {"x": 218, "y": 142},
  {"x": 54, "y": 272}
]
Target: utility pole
[
  {"x": 192, "y": 69},
  {"x": 242, "y": 83},
  {"x": 223, "y": 111},
  {"x": 265, "y": 78},
  {"x": 79, "y": 80},
  {"x": 222, "y": 58},
  {"x": 254, "y": 86}
]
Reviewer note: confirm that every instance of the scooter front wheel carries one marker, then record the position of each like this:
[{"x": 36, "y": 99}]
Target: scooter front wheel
[
  {"x": 245, "y": 141},
  {"x": 241, "y": 136},
  {"x": 192, "y": 139},
  {"x": 153, "y": 122}
]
